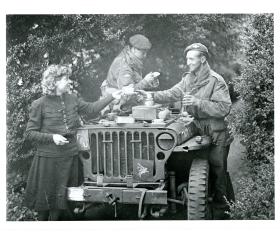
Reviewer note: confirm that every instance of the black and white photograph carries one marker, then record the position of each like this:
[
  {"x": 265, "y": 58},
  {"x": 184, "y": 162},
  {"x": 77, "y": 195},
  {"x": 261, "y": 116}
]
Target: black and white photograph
[{"x": 138, "y": 117}]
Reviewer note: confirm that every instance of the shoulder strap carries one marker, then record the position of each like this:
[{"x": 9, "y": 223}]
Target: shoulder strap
[{"x": 217, "y": 76}]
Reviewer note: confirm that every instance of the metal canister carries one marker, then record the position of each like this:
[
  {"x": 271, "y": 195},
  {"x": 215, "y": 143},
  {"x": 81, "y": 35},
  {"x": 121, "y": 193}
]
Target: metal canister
[{"x": 149, "y": 101}]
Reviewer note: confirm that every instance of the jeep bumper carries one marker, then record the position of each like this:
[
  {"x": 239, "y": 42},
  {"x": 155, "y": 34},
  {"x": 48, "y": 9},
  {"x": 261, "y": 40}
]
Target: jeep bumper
[{"x": 121, "y": 194}]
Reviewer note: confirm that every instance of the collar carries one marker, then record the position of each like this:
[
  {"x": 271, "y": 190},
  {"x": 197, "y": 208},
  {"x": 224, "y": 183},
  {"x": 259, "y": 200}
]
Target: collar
[
  {"x": 202, "y": 74},
  {"x": 201, "y": 79}
]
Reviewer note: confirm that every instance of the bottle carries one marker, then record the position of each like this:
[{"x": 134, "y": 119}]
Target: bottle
[{"x": 184, "y": 107}]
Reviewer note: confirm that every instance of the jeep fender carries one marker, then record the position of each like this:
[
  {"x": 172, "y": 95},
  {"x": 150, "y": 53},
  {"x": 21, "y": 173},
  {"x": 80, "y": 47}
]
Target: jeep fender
[{"x": 195, "y": 143}]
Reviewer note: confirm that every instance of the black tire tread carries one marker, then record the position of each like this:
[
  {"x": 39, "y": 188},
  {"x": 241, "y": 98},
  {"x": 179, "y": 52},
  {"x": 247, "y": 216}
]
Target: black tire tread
[{"x": 198, "y": 190}]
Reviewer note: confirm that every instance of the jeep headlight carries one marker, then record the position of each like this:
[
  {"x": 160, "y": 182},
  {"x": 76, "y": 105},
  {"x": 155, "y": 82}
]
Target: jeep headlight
[
  {"x": 165, "y": 141},
  {"x": 82, "y": 140}
]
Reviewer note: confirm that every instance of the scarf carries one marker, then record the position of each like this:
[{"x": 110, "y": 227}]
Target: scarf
[
  {"x": 198, "y": 80},
  {"x": 134, "y": 62}
]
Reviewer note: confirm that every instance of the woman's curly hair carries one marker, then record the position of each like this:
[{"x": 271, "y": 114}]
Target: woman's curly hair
[{"x": 51, "y": 75}]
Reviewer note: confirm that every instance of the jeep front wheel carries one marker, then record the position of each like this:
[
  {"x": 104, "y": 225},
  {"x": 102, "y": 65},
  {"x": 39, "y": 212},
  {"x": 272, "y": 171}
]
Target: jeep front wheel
[{"x": 198, "y": 207}]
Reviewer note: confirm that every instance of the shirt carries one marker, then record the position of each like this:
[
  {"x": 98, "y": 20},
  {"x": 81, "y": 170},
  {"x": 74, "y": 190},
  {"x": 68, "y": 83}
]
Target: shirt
[{"x": 213, "y": 94}]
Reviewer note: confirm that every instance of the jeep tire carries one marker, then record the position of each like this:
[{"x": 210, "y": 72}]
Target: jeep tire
[{"x": 198, "y": 188}]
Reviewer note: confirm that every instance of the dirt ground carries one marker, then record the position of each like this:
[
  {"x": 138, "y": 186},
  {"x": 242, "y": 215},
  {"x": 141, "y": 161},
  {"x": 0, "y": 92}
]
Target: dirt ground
[{"x": 236, "y": 163}]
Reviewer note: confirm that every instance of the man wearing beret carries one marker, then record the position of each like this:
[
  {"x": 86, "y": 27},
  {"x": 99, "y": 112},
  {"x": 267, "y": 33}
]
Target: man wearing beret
[
  {"x": 127, "y": 68},
  {"x": 206, "y": 97}
]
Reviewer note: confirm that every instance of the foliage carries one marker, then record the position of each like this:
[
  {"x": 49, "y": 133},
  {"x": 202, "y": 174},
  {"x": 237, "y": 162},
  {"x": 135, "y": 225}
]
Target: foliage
[
  {"x": 16, "y": 211},
  {"x": 89, "y": 43},
  {"x": 255, "y": 194},
  {"x": 255, "y": 86},
  {"x": 253, "y": 120}
]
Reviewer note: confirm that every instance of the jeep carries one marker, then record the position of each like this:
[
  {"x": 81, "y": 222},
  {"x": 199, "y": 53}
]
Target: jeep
[{"x": 156, "y": 165}]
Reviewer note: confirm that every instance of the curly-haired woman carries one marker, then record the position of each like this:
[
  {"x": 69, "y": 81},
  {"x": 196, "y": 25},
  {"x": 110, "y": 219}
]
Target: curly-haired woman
[{"x": 53, "y": 121}]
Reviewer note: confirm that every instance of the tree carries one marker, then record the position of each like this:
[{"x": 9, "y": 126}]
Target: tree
[{"x": 89, "y": 44}]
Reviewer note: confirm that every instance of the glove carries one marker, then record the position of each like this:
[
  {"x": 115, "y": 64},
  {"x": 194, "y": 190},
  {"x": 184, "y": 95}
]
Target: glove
[
  {"x": 154, "y": 83},
  {"x": 149, "y": 77}
]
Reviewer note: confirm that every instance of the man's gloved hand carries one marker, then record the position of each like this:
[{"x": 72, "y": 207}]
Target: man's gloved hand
[
  {"x": 189, "y": 100},
  {"x": 149, "y": 77},
  {"x": 154, "y": 83},
  {"x": 152, "y": 79}
]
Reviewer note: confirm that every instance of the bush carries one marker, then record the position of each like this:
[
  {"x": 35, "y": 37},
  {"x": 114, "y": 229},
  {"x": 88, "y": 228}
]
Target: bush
[
  {"x": 255, "y": 194},
  {"x": 254, "y": 122},
  {"x": 89, "y": 44},
  {"x": 16, "y": 211},
  {"x": 255, "y": 86}
]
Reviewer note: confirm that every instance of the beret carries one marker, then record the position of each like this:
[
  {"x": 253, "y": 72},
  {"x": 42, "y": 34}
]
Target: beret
[
  {"x": 140, "y": 42},
  {"x": 197, "y": 47}
]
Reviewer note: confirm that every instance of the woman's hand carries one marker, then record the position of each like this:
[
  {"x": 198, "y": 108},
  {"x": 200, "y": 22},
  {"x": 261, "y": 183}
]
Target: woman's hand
[
  {"x": 126, "y": 90},
  {"x": 59, "y": 140},
  {"x": 117, "y": 94}
]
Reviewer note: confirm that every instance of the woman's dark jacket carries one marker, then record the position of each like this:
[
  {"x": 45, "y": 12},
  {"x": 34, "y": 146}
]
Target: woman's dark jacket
[{"x": 59, "y": 115}]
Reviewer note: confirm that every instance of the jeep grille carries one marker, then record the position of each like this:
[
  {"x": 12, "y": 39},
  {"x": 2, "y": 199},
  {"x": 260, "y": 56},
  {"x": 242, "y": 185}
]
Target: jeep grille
[{"x": 113, "y": 151}]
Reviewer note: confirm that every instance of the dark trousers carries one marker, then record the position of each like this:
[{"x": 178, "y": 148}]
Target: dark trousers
[
  {"x": 218, "y": 170},
  {"x": 218, "y": 155}
]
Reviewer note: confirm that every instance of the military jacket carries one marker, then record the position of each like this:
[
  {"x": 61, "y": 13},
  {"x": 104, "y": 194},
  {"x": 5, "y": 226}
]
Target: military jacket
[
  {"x": 123, "y": 73},
  {"x": 212, "y": 92}
]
